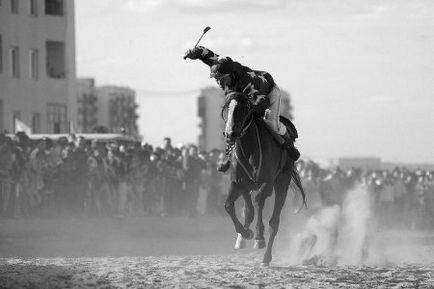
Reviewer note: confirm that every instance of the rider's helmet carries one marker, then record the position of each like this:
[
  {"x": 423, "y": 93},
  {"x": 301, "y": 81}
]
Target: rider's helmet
[{"x": 224, "y": 67}]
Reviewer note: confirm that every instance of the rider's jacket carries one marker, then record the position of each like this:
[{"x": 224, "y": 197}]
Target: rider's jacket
[{"x": 253, "y": 83}]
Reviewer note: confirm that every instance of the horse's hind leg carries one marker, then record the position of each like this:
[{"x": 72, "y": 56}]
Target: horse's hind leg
[
  {"x": 235, "y": 190},
  {"x": 281, "y": 190},
  {"x": 264, "y": 192}
]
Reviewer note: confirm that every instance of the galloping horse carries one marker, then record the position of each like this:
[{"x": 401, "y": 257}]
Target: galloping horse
[{"x": 258, "y": 163}]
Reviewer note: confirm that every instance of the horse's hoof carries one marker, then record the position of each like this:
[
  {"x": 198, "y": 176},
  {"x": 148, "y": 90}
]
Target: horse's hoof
[
  {"x": 259, "y": 244},
  {"x": 265, "y": 265},
  {"x": 240, "y": 243},
  {"x": 249, "y": 235}
]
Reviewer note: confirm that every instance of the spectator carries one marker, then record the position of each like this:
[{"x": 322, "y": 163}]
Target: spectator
[
  {"x": 74, "y": 176},
  {"x": 192, "y": 166},
  {"x": 6, "y": 161}
]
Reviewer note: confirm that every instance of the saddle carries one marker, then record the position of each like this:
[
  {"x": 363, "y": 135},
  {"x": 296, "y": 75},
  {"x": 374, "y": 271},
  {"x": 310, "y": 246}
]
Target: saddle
[
  {"x": 253, "y": 172},
  {"x": 290, "y": 127},
  {"x": 288, "y": 140},
  {"x": 292, "y": 133}
]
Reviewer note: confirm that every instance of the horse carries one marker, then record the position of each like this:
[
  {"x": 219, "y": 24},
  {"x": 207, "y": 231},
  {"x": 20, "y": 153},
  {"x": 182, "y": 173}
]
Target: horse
[{"x": 258, "y": 162}]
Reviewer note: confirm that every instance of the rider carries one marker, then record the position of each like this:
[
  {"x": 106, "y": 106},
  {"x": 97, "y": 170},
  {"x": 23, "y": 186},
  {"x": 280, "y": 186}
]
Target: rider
[{"x": 259, "y": 87}]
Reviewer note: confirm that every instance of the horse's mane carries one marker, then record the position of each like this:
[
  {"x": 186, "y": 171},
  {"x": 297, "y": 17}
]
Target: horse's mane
[{"x": 238, "y": 96}]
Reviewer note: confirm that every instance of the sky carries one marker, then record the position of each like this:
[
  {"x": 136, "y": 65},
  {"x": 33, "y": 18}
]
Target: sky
[{"x": 360, "y": 73}]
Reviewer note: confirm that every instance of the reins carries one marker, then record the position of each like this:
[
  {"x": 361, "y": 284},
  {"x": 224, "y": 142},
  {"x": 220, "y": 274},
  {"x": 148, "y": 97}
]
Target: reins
[
  {"x": 244, "y": 126},
  {"x": 247, "y": 122},
  {"x": 249, "y": 119},
  {"x": 253, "y": 178}
]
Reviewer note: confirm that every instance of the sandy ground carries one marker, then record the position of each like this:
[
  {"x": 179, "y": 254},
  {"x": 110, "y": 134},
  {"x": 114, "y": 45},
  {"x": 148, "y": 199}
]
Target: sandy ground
[
  {"x": 156, "y": 252},
  {"x": 222, "y": 271}
]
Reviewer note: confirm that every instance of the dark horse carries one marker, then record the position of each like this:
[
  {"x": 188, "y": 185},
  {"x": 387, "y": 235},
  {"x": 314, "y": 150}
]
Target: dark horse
[{"x": 258, "y": 163}]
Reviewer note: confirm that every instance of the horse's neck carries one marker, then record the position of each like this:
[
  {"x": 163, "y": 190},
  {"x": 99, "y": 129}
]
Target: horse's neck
[{"x": 249, "y": 141}]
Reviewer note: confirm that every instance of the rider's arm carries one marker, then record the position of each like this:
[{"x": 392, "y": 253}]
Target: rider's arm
[{"x": 207, "y": 56}]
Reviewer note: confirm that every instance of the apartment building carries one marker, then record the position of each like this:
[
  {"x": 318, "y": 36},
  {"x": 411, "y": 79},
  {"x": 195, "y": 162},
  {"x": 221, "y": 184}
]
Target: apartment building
[
  {"x": 37, "y": 64},
  {"x": 110, "y": 107}
]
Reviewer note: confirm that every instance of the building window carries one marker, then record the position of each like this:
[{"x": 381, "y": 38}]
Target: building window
[
  {"x": 36, "y": 122},
  {"x": 14, "y": 53},
  {"x": 33, "y": 8},
  {"x": 55, "y": 65},
  {"x": 14, "y": 6},
  {"x": 1, "y": 116},
  {"x": 54, "y": 7},
  {"x": 34, "y": 63},
  {"x": 87, "y": 112},
  {"x": 56, "y": 118},
  {"x": 1, "y": 53}
]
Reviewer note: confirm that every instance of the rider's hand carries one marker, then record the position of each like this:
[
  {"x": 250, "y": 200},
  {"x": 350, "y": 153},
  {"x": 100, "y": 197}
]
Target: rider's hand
[{"x": 194, "y": 53}]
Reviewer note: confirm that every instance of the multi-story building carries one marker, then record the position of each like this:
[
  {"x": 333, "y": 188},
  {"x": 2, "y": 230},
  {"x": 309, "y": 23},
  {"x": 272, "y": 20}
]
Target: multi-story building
[
  {"x": 210, "y": 102},
  {"x": 211, "y": 124},
  {"x": 104, "y": 108},
  {"x": 37, "y": 64},
  {"x": 117, "y": 109},
  {"x": 86, "y": 117}
]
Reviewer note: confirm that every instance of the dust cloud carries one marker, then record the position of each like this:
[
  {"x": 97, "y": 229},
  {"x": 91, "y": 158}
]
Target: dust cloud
[{"x": 351, "y": 234}]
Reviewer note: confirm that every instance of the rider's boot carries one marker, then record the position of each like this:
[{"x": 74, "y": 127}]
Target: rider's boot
[
  {"x": 226, "y": 164},
  {"x": 294, "y": 153}
]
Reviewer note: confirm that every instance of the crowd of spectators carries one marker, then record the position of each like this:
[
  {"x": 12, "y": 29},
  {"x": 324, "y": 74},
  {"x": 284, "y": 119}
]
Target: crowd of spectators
[
  {"x": 399, "y": 198},
  {"x": 78, "y": 177}
]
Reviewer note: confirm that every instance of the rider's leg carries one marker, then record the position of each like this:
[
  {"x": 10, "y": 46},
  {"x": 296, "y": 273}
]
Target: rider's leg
[
  {"x": 273, "y": 112},
  {"x": 272, "y": 118}
]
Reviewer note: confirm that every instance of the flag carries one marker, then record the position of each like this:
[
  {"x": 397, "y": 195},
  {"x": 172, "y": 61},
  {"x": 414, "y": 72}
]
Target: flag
[
  {"x": 21, "y": 126},
  {"x": 71, "y": 127}
]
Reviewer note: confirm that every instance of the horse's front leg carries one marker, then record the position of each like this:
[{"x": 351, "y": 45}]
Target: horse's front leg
[
  {"x": 235, "y": 190},
  {"x": 249, "y": 209},
  {"x": 264, "y": 192}
]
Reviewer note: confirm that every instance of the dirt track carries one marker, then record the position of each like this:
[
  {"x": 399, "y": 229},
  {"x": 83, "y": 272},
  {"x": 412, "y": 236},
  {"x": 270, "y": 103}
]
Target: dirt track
[
  {"x": 233, "y": 271},
  {"x": 200, "y": 255}
]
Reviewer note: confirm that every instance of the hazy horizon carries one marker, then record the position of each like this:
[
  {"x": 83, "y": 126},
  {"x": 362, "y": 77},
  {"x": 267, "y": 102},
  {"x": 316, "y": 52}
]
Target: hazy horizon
[{"x": 361, "y": 73}]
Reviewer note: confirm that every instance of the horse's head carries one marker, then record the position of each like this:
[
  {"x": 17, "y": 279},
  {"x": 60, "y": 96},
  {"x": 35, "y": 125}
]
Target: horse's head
[{"x": 236, "y": 109}]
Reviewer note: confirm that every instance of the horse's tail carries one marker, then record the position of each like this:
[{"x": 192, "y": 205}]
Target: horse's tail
[{"x": 296, "y": 179}]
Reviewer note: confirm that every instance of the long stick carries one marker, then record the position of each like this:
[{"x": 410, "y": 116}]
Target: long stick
[
  {"x": 204, "y": 31},
  {"x": 200, "y": 38}
]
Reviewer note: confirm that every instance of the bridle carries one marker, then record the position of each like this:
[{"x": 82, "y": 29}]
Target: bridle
[
  {"x": 236, "y": 139},
  {"x": 246, "y": 124},
  {"x": 248, "y": 119}
]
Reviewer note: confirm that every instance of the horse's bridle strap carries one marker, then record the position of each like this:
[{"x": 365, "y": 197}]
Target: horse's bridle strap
[{"x": 246, "y": 126}]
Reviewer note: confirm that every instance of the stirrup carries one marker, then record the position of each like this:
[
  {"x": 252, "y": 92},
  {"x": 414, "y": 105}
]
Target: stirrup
[
  {"x": 294, "y": 153},
  {"x": 223, "y": 167}
]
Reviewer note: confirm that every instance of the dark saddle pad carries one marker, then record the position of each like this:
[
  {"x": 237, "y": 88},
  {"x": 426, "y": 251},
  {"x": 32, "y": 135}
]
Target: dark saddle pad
[{"x": 290, "y": 127}]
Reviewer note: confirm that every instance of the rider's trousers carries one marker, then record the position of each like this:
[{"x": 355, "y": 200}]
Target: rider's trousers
[{"x": 273, "y": 112}]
